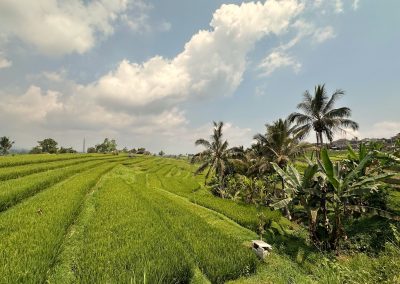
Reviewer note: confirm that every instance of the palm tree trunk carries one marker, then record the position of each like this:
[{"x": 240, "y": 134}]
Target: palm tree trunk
[
  {"x": 321, "y": 139},
  {"x": 317, "y": 151}
]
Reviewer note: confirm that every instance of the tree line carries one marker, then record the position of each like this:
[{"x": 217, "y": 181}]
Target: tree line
[{"x": 50, "y": 146}]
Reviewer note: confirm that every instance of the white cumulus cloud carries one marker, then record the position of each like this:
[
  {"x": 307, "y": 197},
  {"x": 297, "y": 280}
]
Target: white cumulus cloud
[
  {"x": 212, "y": 62},
  {"x": 59, "y": 27},
  {"x": 31, "y": 107}
]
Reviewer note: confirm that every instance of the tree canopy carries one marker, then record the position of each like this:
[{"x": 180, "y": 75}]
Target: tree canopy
[{"x": 5, "y": 145}]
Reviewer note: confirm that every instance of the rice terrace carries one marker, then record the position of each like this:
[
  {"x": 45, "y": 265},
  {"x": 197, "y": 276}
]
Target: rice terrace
[{"x": 230, "y": 141}]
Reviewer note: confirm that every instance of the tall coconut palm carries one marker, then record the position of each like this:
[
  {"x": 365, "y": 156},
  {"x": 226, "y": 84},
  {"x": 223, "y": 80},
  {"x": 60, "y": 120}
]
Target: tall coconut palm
[
  {"x": 281, "y": 142},
  {"x": 215, "y": 156},
  {"x": 320, "y": 115}
]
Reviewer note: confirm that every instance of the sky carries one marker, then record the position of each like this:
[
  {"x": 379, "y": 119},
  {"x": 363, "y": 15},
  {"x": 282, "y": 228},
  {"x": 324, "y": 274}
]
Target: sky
[{"x": 155, "y": 74}]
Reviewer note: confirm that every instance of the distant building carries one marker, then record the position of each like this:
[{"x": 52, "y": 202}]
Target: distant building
[{"x": 341, "y": 144}]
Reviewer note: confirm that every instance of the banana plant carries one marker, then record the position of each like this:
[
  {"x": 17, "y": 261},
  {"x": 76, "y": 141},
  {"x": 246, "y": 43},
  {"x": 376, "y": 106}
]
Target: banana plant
[
  {"x": 347, "y": 184},
  {"x": 304, "y": 188}
]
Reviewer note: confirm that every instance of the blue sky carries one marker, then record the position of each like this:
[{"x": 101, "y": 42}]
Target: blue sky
[{"x": 157, "y": 73}]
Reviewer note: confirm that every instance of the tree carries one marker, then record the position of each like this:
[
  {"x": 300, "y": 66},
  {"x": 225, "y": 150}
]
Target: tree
[
  {"x": 281, "y": 142},
  {"x": 66, "y": 150},
  {"x": 216, "y": 155},
  {"x": 320, "y": 115},
  {"x": 330, "y": 192},
  {"x": 161, "y": 153},
  {"x": 5, "y": 145},
  {"x": 91, "y": 150},
  {"x": 107, "y": 146},
  {"x": 347, "y": 185},
  {"x": 304, "y": 188},
  {"x": 36, "y": 150},
  {"x": 48, "y": 145}
]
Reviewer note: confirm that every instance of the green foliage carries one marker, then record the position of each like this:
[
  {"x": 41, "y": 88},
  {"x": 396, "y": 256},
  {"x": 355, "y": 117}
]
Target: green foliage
[
  {"x": 319, "y": 114},
  {"x": 330, "y": 192},
  {"x": 107, "y": 146},
  {"x": 48, "y": 145},
  {"x": 5, "y": 145},
  {"x": 281, "y": 142},
  {"x": 63, "y": 150},
  {"x": 216, "y": 156},
  {"x": 36, "y": 150},
  {"x": 91, "y": 150}
]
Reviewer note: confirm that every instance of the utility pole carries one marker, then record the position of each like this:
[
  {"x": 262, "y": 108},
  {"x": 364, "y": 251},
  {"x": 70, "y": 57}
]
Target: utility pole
[{"x": 84, "y": 145}]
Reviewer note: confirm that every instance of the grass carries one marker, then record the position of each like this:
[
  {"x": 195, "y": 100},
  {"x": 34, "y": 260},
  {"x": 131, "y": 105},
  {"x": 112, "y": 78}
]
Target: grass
[
  {"x": 176, "y": 176},
  {"x": 13, "y": 172},
  {"x": 32, "y": 232},
  {"x": 15, "y": 190},
  {"x": 219, "y": 256},
  {"x": 18, "y": 160},
  {"x": 130, "y": 244}
]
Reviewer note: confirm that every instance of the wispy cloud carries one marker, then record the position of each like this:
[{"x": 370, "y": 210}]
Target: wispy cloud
[
  {"x": 338, "y": 6},
  {"x": 277, "y": 60},
  {"x": 323, "y": 34}
]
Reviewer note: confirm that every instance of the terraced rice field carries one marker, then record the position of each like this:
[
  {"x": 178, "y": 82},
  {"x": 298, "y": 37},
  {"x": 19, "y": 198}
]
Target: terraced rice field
[{"x": 114, "y": 219}]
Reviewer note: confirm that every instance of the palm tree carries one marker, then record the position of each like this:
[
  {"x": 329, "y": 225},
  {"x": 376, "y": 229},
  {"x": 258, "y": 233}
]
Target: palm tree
[
  {"x": 216, "y": 155},
  {"x": 281, "y": 142},
  {"x": 320, "y": 115}
]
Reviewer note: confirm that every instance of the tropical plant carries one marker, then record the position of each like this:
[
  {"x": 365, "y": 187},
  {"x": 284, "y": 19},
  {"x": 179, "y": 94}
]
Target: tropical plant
[
  {"x": 48, "y": 145},
  {"x": 5, "y": 145},
  {"x": 329, "y": 193},
  {"x": 281, "y": 142},
  {"x": 303, "y": 188},
  {"x": 216, "y": 155},
  {"x": 320, "y": 115},
  {"x": 347, "y": 185}
]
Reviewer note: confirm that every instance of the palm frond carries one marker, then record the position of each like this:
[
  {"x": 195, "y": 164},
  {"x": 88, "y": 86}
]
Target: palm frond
[
  {"x": 202, "y": 142},
  {"x": 335, "y": 96}
]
